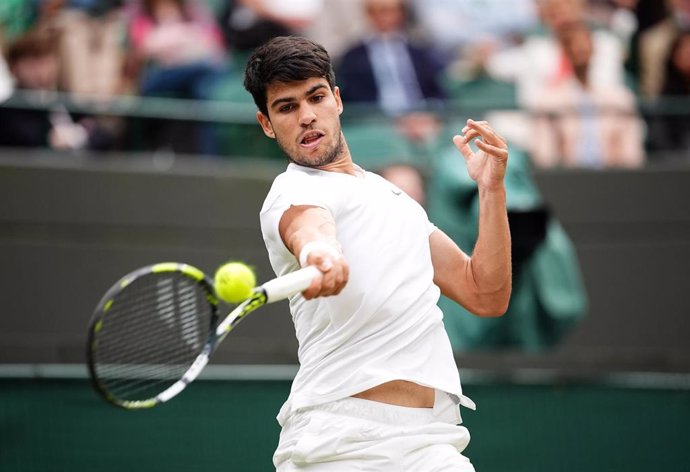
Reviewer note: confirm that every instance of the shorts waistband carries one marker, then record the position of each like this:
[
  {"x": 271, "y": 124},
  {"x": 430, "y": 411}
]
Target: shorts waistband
[{"x": 392, "y": 414}]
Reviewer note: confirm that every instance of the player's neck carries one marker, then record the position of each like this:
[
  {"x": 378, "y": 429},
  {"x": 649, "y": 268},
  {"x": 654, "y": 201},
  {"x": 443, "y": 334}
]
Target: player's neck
[{"x": 343, "y": 164}]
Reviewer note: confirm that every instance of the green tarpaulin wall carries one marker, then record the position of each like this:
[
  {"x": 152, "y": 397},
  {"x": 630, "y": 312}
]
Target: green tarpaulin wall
[{"x": 60, "y": 425}]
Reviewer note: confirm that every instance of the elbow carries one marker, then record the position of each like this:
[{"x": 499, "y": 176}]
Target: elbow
[
  {"x": 493, "y": 306},
  {"x": 491, "y": 312}
]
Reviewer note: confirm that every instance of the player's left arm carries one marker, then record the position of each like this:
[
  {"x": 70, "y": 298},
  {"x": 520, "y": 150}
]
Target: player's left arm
[{"x": 481, "y": 283}]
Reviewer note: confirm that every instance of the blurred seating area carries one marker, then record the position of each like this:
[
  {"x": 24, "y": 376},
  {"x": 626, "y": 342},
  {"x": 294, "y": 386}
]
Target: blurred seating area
[
  {"x": 574, "y": 83},
  {"x": 586, "y": 84}
]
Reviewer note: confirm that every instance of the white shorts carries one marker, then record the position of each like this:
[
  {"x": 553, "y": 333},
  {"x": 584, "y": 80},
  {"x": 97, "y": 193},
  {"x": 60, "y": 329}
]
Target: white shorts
[{"x": 362, "y": 435}]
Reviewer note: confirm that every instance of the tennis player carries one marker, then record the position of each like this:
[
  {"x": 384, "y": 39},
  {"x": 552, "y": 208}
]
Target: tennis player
[{"x": 378, "y": 388}]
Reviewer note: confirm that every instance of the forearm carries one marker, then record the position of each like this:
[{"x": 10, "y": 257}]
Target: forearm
[
  {"x": 310, "y": 234},
  {"x": 490, "y": 265},
  {"x": 303, "y": 226}
]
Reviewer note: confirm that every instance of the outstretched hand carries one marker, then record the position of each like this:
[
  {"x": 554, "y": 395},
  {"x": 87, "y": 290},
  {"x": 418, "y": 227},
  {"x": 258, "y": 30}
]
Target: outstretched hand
[
  {"x": 335, "y": 273},
  {"x": 487, "y": 166}
]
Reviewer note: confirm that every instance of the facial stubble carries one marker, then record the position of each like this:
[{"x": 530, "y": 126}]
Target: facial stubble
[{"x": 331, "y": 154}]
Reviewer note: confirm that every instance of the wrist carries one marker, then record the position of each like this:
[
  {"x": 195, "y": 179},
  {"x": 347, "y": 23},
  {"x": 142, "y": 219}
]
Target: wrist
[
  {"x": 495, "y": 189},
  {"x": 317, "y": 246}
]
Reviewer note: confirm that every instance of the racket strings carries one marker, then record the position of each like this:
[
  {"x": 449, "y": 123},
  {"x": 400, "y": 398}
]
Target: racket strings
[{"x": 153, "y": 330}]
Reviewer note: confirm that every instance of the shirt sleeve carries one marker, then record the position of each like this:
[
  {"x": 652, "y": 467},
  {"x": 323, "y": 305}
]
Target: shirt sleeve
[{"x": 290, "y": 189}]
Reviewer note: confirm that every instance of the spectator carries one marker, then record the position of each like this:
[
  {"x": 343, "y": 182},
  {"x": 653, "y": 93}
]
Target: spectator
[
  {"x": 182, "y": 47},
  {"x": 580, "y": 123},
  {"x": 461, "y": 23},
  {"x": 540, "y": 60},
  {"x": 91, "y": 47},
  {"x": 33, "y": 61},
  {"x": 671, "y": 131},
  {"x": 183, "y": 55},
  {"x": 655, "y": 44},
  {"x": 332, "y": 32},
  {"x": 620, "y": 17},
  {"x": 387, "y": 68},
  {"x": 6, "y": 81},
  {"x": 247, "y": 24},
  {"x": 549, "y": 298},
  {"x": 467, "y": 31}
]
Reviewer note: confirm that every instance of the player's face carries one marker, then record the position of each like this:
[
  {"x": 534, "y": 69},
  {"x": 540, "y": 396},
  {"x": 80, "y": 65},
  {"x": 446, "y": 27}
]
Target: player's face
[{"x": 304, "y": 118}]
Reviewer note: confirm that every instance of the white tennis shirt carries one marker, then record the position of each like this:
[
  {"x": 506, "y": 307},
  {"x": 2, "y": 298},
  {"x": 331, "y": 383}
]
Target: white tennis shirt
[{"x": 385, "y": 324}]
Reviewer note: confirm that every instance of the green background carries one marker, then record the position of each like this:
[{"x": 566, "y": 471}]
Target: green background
[{"x": 61, "y": 425}]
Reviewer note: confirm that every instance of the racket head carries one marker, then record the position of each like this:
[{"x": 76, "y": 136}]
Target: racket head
[{"x": 147, "y": 330}]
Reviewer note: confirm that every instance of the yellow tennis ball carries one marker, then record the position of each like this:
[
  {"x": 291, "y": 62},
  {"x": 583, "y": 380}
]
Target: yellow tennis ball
[{"x": 234, "y": 282}]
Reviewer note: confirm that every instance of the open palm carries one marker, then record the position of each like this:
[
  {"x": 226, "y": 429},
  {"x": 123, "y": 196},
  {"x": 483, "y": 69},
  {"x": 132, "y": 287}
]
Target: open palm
[{"x": 487, "y": 166}]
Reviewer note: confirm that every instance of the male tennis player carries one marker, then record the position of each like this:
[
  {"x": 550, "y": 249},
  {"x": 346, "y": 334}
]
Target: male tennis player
[{"x": 378, "y": 388}]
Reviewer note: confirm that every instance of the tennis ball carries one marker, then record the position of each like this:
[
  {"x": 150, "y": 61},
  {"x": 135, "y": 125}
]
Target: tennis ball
[{"x": 234, "y": 282}]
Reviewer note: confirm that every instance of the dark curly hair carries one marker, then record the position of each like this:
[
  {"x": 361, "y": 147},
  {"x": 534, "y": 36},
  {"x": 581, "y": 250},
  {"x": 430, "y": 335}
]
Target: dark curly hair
[{"x": 285, "y": 59}]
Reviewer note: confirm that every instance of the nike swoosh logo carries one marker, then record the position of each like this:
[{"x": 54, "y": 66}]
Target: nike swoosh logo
[{"x": 396, "y": 192}]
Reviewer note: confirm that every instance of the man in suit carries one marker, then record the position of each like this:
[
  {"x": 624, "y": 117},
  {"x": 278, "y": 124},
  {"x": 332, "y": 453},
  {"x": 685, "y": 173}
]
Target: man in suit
[{"x": 387, "y": 68}]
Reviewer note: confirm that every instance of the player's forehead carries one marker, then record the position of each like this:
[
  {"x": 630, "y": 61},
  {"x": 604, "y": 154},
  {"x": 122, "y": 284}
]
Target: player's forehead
[{"x": 294, "y": 89}]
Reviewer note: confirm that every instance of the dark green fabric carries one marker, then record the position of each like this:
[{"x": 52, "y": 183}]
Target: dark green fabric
[
  {"x": 242, "y": 139},
  {"x": 61, "y": 425},
  {"x": 548, "y": 296},
  {"x": 375, "y": 144}
]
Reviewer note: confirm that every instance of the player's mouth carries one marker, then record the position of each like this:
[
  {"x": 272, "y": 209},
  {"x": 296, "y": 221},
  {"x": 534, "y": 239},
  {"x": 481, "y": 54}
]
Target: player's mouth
[{"x": 311, "y": 138}]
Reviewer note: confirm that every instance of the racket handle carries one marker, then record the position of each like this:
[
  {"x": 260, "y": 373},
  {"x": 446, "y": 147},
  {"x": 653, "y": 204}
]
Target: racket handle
[{"x": 289, "y": 284}]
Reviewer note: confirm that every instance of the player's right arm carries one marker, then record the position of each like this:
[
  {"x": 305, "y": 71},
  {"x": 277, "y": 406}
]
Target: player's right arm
[{"x": 309, "y": 233}]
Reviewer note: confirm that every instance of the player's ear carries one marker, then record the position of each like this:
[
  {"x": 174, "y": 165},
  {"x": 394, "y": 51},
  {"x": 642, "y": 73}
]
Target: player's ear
[
  {"x": 266, "y": 125},
  {"x": 338, "y": 100}
]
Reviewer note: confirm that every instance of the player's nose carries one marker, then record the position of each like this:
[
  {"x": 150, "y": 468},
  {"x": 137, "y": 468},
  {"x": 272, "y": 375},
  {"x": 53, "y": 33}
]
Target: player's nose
[{"x": 307, "y": 115}]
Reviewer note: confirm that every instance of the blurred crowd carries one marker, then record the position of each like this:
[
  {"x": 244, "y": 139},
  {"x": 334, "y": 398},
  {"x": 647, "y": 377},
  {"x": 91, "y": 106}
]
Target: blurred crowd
[
  {"x": 573, "y": 83},
  {"x": 570, "y": 83}
]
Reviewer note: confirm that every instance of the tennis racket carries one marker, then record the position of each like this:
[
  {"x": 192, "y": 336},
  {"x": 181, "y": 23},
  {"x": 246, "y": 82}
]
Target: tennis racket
[{"x": 154, "y": 331}]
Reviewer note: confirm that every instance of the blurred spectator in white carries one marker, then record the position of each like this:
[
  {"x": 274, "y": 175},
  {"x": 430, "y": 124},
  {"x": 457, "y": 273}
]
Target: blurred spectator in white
[
  {"x": 6, "y": 80},
  {"x": 541, "y": 61},
  {"x": 580, "y": 123},
  {"x": 91, "y": 47},
  {"x": 16, "y": 18},
  {"x": 341, "y": 23},
  {"x": 34, "y": 62},
  {"x": 655, "y": 44},
  {"x": 469, "y": 30},
  {"x": 671, "y": 127},
  {"x": 387, "y": 67},
  {"x": 619, "y": 16},
  {"x": 453, "y": 23},
  {"x": 248, "y": 24}
]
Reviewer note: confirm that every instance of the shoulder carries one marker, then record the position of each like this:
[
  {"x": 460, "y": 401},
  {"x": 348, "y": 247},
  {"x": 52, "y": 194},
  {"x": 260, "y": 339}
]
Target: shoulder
[
  {"x": 291, "y": 177},
  {"x": 298, "y": 185}
]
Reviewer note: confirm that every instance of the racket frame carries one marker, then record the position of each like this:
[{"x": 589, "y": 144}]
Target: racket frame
[{"x": 272, "y": 291}]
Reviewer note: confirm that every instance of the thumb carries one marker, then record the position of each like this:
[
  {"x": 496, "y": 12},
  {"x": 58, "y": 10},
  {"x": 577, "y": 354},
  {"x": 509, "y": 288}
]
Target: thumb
[{"x": 463, "y": 146}]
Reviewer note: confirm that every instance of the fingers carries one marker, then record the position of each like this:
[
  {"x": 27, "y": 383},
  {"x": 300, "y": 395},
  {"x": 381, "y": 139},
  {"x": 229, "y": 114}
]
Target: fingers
[
  {"x": 335, "y": 273},
  {"x": 462, "y": 143},
  {"x": 498, "y": 152},
  {"x": 482, "y": 128},
  {"x": 484, "y": 137}
]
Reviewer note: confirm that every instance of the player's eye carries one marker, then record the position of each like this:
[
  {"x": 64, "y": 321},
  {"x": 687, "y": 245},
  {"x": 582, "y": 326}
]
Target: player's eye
[
  {"x": 286, "y": 108},
  {"x": 317, "y": 98}
]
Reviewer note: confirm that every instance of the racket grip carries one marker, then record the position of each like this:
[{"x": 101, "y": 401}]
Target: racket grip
[{"x": 289, "y": 284}]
